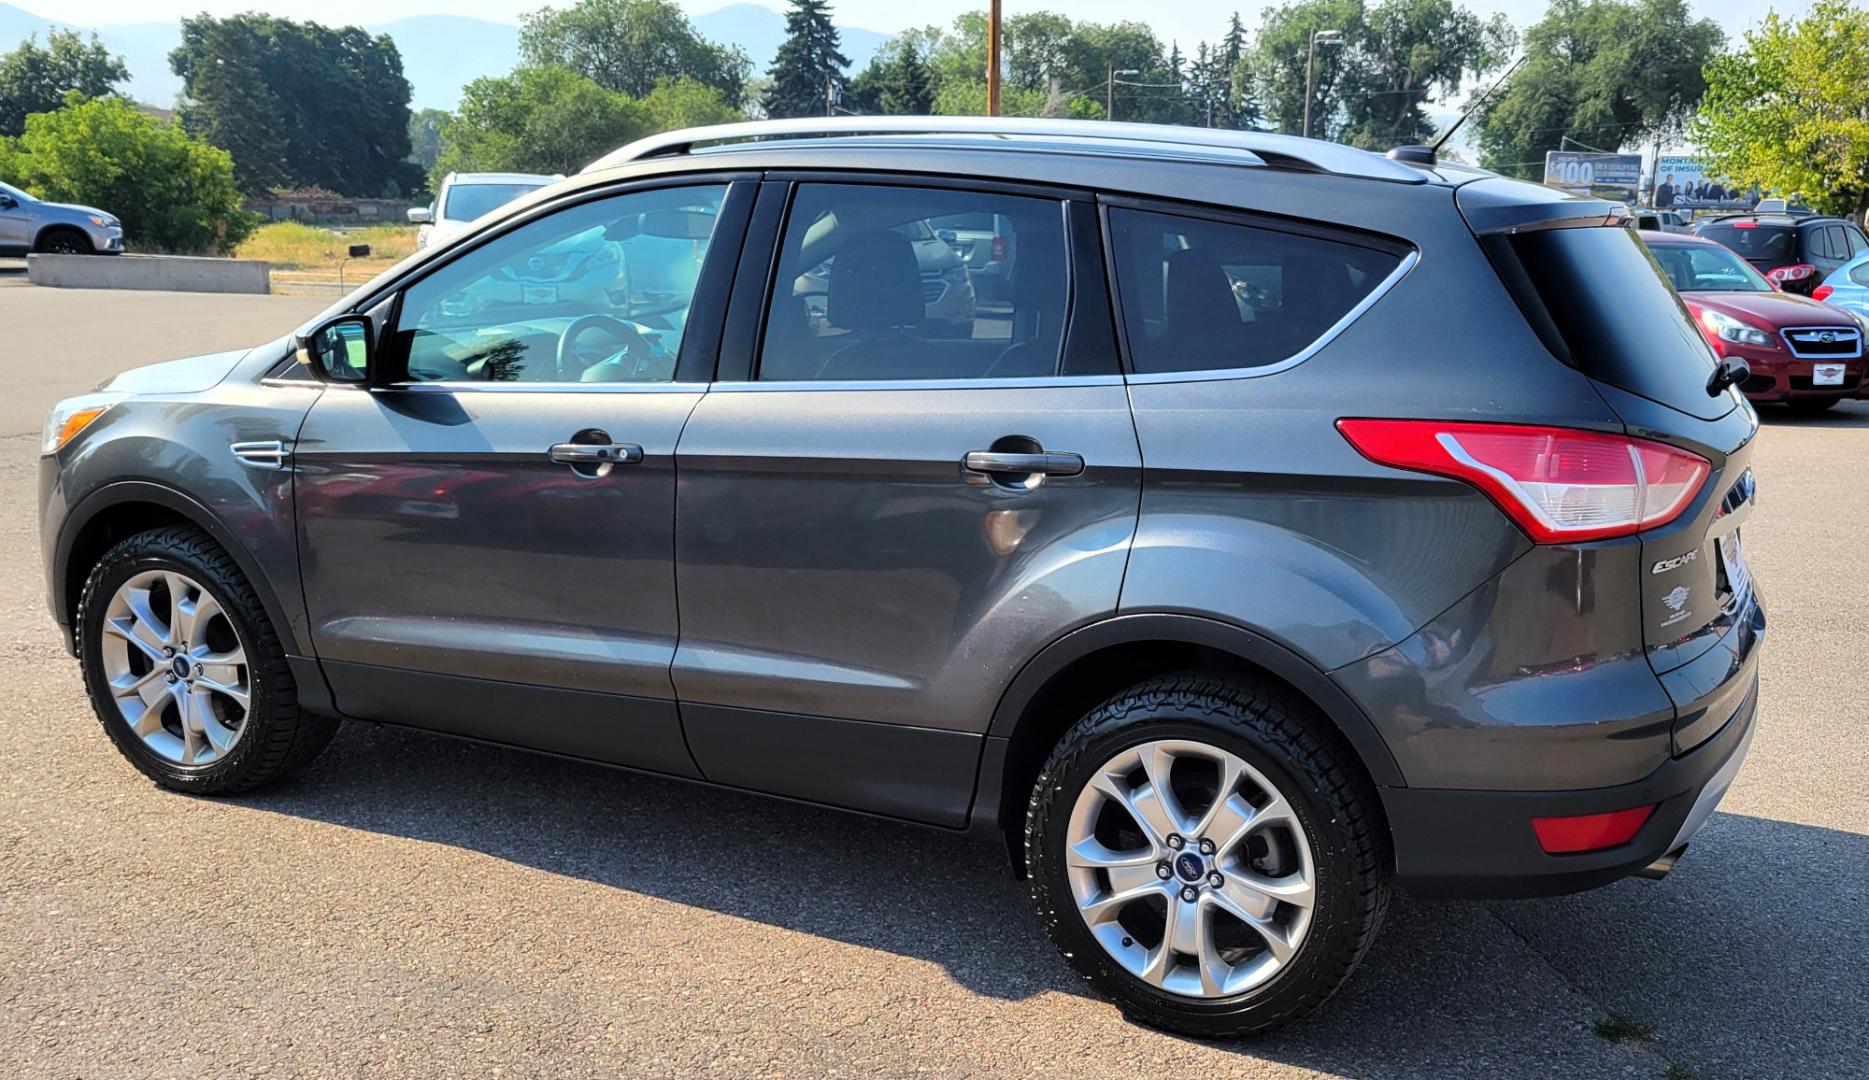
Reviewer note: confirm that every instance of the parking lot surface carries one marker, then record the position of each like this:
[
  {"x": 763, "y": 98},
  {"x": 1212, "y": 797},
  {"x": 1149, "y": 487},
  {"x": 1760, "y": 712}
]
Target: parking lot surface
[{"x": 414, "y": 906}]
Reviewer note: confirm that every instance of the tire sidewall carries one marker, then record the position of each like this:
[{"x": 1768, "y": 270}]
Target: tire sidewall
[
  {"x": 1320, "y": 956},
  {"x": 132, "y": 557}
]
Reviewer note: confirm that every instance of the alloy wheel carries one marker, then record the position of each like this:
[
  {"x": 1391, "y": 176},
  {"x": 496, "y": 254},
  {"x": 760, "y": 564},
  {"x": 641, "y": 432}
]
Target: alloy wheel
[
  {"x": 1190, "y": 868},
  {"x": 176, "y": 667}
]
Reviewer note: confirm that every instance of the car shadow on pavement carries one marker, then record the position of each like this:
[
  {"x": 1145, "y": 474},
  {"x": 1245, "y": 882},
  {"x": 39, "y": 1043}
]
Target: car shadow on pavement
[
  {"x": 1847, "y": 414},
  {"x": 1752, "y": 948}
]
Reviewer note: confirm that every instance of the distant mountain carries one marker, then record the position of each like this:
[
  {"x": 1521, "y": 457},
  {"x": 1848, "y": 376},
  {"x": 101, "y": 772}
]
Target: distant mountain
[
  {"x": 440, "y": 53},
  {"x": 759, "y": 30}
]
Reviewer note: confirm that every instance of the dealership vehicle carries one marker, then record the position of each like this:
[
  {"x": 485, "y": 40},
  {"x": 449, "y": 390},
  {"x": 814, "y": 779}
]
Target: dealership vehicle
[
  {"x": 1806, "y": 354},
  {"x": 1223, "y": 616},
  {"x": 1847, "y": 287},
  {"x": 1673, "y": 221},
  {"x": 465, "y": 197},
  {"x": 987, "y": 244},
  {"x": 28, "y": 225},
  {"x": 1795, "y": 251}
]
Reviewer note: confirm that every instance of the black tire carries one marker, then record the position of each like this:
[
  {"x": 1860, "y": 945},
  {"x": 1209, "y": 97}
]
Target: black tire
[
  {"x": 65, "y": 242},
  {"x": 1805, "y": 406},
  {"x": 1279, "y": 735},
  {"x": 276, "y": 737}
]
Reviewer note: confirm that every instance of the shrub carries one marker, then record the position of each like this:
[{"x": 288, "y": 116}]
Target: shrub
[{"x": 172, "y": 192}]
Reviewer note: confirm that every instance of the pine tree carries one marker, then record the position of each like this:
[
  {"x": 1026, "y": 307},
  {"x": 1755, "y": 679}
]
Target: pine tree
[
  {"x": 808, "y": 65},
  {"x": 907, "y": 86}
]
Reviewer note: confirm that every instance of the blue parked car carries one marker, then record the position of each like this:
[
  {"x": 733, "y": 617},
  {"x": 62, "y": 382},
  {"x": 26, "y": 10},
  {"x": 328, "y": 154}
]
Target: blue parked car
[{"x": 1848, "y": 286}]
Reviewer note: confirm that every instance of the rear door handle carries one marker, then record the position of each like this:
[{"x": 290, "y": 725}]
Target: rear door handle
[
  {"x": 1049, "y": 463},
  {"x": 566, "y": 453}
]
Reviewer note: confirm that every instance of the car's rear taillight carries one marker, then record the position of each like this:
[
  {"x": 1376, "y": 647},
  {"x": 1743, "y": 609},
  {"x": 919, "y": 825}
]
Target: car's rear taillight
[
  {"x": 1793, "y": 272},
  {"x": 1558, "y": 484},
  {"x": 999, "y": 249},
  {"x": 1822, "y": 292}
]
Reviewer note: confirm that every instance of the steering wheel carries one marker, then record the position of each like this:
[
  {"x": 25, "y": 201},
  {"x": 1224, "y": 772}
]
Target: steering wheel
[{"x": 634, "y": 349}]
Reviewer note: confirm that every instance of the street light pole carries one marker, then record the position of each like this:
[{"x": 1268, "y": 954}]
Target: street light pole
[
  {"x": 1109, "y": 91},
  {"x": 992, "y": 59},
  {"x": 1328, "y": 37}
]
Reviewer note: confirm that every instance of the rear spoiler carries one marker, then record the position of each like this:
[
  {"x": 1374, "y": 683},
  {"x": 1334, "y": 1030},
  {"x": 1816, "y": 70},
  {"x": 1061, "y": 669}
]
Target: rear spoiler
[{"x": 1500, "y": 206}]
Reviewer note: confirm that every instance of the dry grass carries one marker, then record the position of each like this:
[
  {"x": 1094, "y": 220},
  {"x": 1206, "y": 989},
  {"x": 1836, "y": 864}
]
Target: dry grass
[{"x": 291, "y": 245}]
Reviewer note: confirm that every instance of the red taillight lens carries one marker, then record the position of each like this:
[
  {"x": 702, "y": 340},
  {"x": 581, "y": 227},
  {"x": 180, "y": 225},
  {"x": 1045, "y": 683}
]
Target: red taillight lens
[
  {"x": 999, "y": 249},
  {"x": 1590, "y": 832},
  {"x": 1794, "y": 272},
  {"x": 1822, "y": 292},
  {"x": 1745, "y": 224},
  {"x": 1557, "y": 484}
]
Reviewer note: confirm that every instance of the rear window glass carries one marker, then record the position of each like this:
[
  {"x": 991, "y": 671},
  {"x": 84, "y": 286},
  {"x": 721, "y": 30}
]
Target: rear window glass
[
  {"x": 467, "y": 202},
  {"x": 1775, "y": 242},
  {"x": 1202, "y": 295},
  {"x": 1619, "y": 317}
]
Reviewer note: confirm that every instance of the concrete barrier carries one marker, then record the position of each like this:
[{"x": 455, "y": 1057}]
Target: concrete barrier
[{"x": 166, "y": 273}]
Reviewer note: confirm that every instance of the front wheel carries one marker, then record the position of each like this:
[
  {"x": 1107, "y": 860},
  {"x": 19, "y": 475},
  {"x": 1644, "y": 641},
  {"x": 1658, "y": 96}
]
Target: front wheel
[
  {"x": 1204, "y": 858},
  {"x": 184, "y": 669},
  {"x": 65, "y": 242}
]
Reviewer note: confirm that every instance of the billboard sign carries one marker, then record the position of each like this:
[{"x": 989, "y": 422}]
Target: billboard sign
[
  {"x": 1617, "y": 177},
  {"x": 1686, "y": 183}
]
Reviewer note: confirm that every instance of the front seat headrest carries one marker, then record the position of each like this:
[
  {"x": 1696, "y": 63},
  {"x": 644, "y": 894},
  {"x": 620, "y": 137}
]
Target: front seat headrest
[{"x": 875, "y": 283}]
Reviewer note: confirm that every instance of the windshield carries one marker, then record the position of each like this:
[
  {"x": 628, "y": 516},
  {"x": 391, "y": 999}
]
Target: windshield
[
  {"x": 469, "y": 201},
  {"x": 1705, "y": 268},
  {"x": 1777, "y": 243},
  {"x": 9, "y": 189}
]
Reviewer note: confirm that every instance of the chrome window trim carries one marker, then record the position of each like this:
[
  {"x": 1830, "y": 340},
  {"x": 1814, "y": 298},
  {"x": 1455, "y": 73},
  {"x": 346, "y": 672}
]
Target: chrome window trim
[
  {"x": 466, "y": 386},
  {"x": 1226, "y": 374},
  {"x": 1019, "y": 383}
]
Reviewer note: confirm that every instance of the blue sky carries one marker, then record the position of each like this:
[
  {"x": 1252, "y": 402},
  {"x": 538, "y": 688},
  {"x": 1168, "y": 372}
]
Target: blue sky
[{"x": 1185, "y": 20}]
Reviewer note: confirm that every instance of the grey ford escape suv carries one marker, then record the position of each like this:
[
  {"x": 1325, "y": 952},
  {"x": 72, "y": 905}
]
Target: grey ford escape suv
[{"x": 1296, "y": 522}]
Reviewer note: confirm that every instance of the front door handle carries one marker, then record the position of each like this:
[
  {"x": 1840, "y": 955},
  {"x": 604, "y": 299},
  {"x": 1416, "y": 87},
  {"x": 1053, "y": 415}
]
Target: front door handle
[
  {"x": 1048, "y": 463},
  {"x": 571, "y": 453}
]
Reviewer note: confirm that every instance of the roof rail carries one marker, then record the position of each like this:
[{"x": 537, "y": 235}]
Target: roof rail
[{"x": 1254, "y": 147}]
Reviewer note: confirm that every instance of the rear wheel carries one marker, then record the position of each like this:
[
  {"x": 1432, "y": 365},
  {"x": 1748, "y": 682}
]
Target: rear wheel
[
  {"x": 1204, "y": 858},
  {"x": 184, "y": 669},
  {"x": 1812, "y": 406},
  {"x": 65, "y": 242}
]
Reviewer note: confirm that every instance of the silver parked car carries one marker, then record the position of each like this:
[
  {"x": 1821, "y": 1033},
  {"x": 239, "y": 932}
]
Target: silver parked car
[
  {"x": 463, "y": 197},
  {"x": 28, "y": 225}
]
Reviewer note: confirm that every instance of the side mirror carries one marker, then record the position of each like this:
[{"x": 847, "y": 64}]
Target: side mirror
[
  {"x": 948, "y": 236},
  {"x": 421, "y": 215},
  {"x": 340, "y": 349},
  {"x": 8, "y": 202}
]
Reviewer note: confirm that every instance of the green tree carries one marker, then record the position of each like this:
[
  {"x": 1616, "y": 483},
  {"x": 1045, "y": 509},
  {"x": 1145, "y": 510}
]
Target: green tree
[
  {"x": 1789, "y": 112},
  {"x": 298, "y": 103},
  {"x": 808, "y": 65},
  {"x": 897, "y": 82},
  {"x": 172, "y": 192},
  {"x": 1408, "y": 53},
  {"x": 538, "y": 120},
  {"x": 1598, "y": 73},
  {"x": 630, "y": 46},
  {"x": 685, "y": 103},
  {"x": 35, "y": 79}
]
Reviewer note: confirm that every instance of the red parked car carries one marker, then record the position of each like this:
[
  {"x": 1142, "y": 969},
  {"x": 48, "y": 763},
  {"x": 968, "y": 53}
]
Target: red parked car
[{"x": 1801, "y": 352}]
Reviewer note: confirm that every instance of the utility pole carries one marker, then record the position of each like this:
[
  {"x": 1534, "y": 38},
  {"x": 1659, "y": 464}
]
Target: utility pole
[
  {"x": 1326, "y": 37},
  {"x": 992, "y": 59},
  {"x": 1109, "y": 91}
]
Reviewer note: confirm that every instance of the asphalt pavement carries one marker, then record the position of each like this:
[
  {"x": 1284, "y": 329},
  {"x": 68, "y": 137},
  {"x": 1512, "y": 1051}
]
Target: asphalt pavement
[{"x": 415, "y": 906}]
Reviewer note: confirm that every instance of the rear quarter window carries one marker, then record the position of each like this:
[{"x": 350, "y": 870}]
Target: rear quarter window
[
  {"x": 1204, "y": 295},
  {"x": 1775, "y": 242},
  {"x": 1618, "y": 316}
]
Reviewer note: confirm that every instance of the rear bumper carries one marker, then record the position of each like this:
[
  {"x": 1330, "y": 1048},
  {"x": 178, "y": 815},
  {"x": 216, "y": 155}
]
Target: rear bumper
[{"x": 1479, "y": 844}]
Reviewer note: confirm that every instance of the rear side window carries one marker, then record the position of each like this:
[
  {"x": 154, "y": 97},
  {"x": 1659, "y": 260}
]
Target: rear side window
[
  {"x": 873, "y": 285},
  {"x": 1200, "y": 295},
  {"x": 1839, "y": 243},
  {"x": 1777, "y": 243},
  {"x": 1619, "y": 319}
]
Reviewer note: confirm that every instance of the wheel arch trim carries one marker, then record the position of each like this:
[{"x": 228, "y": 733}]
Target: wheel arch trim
[
  {"x": 98, "y": 503},
  {"x": 1171, "y": 628}
]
